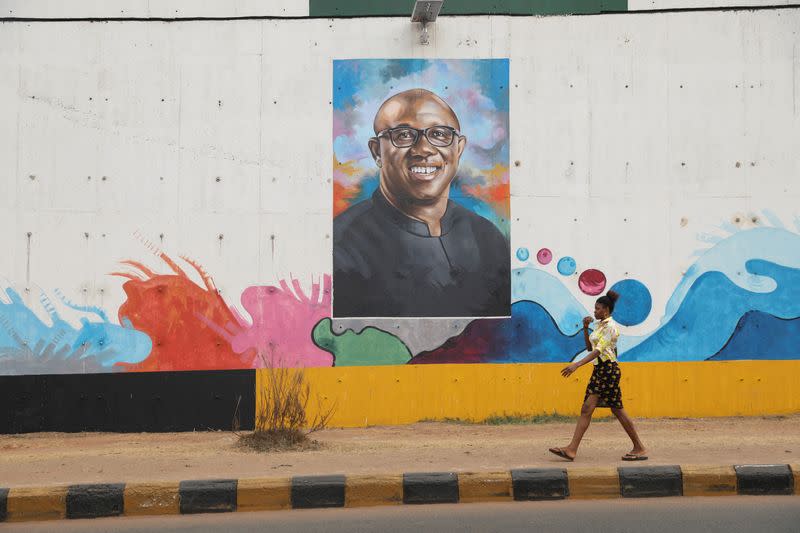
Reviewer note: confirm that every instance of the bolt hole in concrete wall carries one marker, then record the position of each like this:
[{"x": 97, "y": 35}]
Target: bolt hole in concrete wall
[{"x": 202, "y": 129}]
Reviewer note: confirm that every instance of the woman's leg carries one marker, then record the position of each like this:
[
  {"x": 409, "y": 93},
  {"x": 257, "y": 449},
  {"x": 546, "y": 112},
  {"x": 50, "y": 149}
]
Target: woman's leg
[
  {"x": 627, "y": 424},
  {"x": 583, "y": 424}
]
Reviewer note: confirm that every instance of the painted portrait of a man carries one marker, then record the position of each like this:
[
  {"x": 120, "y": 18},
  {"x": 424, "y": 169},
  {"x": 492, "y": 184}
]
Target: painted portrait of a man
[{"x": 409, "y": 249}]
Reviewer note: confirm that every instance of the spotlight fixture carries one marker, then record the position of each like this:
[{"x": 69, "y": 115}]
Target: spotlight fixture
[{"x": 425, "y": 12}]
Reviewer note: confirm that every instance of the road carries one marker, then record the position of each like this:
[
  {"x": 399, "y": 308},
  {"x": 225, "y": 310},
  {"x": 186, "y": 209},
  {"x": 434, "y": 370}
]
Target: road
[{"x": 685, "y": 515}]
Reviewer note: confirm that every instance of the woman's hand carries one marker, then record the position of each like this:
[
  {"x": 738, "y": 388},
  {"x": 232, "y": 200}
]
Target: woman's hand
[
  {"x": 568, "y": 370},
  {"x": 586, "y": 321}
]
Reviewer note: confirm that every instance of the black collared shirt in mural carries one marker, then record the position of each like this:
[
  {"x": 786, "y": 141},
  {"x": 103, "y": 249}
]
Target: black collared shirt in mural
[{"x": 386, "y": 264}]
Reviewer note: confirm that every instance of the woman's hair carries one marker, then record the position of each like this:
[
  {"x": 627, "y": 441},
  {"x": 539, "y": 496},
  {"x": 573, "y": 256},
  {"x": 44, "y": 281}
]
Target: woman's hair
[{"x": 609, "y": 300}]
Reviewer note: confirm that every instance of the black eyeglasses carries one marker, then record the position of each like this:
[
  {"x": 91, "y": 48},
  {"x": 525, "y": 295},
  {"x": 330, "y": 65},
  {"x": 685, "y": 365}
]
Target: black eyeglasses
[{"x": 404, "y": 137}]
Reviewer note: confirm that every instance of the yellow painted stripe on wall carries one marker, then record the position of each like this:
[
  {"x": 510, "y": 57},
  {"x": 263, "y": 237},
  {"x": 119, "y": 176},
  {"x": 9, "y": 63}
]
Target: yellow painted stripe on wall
[{"x": 405, "y": 394}]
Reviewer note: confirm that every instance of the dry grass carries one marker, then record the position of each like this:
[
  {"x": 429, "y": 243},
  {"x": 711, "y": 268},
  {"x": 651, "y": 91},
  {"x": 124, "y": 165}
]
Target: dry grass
[
  {"x": 282, "y": 419},
  {"x": 278, "y": 441}
]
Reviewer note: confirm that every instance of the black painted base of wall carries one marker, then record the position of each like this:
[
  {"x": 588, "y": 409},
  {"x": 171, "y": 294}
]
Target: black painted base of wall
[{"x": 130, "y": 402}]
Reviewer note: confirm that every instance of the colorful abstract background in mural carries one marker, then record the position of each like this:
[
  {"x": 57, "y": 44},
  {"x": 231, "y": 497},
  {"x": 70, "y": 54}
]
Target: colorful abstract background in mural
[{"x": 477, "y": 90}]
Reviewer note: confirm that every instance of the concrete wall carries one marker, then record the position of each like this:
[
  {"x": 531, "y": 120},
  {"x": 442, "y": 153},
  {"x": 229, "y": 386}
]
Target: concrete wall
[
  {"x": 364, "y": 396},
  {"x": 48, "y": 9},
  {"x": 655, "y": 147}
]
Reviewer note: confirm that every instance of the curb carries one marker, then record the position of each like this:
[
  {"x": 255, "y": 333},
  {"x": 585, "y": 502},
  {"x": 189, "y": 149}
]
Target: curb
[{"x": 308, "y": 492}]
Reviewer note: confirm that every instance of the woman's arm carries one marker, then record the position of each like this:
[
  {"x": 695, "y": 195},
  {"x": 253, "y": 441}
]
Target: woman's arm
[
  {"x": 569, "y": 369},
  {"x": 586, "y": 322}
]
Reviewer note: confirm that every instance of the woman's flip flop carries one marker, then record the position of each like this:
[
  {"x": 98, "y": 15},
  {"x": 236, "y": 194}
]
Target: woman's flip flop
[
  {"x": 634, "y": 457},
  {"x": 561, "y": 453}
]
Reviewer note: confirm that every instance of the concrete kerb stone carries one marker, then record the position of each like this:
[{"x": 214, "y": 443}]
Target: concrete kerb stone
[
  {"x": 367, "y": 491},
  {"x": 593, "y": 483},
  {"x": 650, "y": 481},
  {"x": 540, "y": 484},
  {"x": 430, "y": 487},
  {"x": 485, "y": 487},
  {"x": 208, "y": 496},
  {"x": 302, "y": 492},
  {"x": 757, "y": 480},
  {"x": 36, "y": 503},
  {"x": 95, "y": 500},
  {"x": 3, "y": 504},
  {"x": 143, "y": 499},
  {"x": 264, "y": 494},
  {"x": 709, "y": 480},
  {"x": 309, "y": 492}
]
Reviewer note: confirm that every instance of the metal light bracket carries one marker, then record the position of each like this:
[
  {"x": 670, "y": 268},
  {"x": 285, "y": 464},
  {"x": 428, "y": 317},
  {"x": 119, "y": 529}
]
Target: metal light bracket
[{"x": 425, "y": 12}]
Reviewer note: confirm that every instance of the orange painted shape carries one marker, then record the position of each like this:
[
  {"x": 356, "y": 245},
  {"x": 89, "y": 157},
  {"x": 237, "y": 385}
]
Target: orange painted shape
[{"x": 175, "y": 313}]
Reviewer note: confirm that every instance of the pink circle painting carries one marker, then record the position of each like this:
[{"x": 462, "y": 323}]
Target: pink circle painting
[
  {"x": 544, "y": 256},
  {"x": 592, "y": 282}
]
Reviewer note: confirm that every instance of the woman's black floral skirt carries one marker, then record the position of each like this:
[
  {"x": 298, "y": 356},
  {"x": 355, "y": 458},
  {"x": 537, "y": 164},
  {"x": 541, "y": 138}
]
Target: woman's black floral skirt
[{"x": 605, "y": 383}]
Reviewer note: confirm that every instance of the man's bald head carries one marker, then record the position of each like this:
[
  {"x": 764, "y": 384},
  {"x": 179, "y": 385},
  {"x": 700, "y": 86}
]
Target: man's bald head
[{"x": 414, "y": 102}]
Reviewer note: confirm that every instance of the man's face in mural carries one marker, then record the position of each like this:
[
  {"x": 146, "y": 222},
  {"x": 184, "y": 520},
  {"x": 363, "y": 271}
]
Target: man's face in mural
[{"x": 417, "y": 146}]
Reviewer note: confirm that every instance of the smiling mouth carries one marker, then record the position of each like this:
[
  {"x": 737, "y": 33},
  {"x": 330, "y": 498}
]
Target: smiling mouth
[{"x": 424, "y": 172}]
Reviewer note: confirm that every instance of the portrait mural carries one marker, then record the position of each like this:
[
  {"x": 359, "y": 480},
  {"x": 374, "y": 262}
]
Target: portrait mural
[
  {"x": 421, "y": 229},
  {"x": 421, "y": 188}
]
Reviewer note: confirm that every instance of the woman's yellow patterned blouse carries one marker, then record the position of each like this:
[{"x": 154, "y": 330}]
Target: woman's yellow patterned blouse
[{"x": 604, "y": 340}]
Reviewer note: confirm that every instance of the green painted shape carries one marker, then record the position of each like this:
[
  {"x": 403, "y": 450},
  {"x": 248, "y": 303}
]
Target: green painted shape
[
  {"x": 364, "y": 8},
  {"x": 371, "y": 347}
]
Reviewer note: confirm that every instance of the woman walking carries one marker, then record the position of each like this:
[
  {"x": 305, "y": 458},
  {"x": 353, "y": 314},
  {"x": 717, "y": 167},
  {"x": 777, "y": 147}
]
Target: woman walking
[{"x": 603, "y": 388}]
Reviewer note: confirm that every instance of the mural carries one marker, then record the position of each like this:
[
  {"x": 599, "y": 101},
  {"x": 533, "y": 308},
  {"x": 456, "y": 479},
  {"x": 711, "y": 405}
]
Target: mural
[
  {"x": 421, "y": 197},
  {"x": 740, "y": 299},
  {"x": 30, "y": 344}
]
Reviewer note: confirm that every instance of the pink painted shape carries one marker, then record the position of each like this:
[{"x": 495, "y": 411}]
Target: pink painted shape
[
  {"x": 544, "y": 256},
  {"x": 282, "y": 323}
]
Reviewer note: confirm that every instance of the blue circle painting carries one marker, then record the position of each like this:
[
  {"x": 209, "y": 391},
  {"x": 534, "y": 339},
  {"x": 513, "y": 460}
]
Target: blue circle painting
[
  {"x": 566, "y": 266},
  {"x": 634, "y": 302},
  {"x": 523, "y": 254}
]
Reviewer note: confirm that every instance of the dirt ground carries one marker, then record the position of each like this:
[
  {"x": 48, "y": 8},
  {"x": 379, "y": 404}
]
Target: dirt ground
[{"x": 48, "y": 458}]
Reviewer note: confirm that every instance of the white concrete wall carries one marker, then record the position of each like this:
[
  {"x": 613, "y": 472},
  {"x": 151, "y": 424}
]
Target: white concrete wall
[
  {"x": 630, "y": 125},
  {"x": 262, "y": 8},
  {"x": 646, "y": 5},
  {"x": 152, "y": 8}
]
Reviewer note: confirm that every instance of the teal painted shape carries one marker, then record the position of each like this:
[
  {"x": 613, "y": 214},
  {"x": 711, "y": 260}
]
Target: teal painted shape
[{"x": 370, "y": 347}]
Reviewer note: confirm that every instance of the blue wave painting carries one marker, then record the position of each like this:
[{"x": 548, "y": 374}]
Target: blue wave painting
[
  {"x": 30, "y": 346},
  {"x": 535, "y": 285},
  {"x": 530, "y": 336},
  {"x": 737, "y": 301},
  {"x": 760, "y": 333}
]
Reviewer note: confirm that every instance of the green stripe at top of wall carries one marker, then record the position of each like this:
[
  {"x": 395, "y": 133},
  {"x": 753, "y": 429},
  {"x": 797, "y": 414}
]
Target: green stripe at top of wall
[{"x": 363, "y": 8}]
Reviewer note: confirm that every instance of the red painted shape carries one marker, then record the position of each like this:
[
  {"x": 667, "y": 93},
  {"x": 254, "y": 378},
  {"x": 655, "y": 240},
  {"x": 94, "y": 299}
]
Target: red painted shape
[
  {"x": 592, "y": 282},
  {"x": 175, "y": 312}
]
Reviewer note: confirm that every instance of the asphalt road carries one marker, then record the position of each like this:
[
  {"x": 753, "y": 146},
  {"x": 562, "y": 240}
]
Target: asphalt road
[{"x": 685, "y": 515}]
